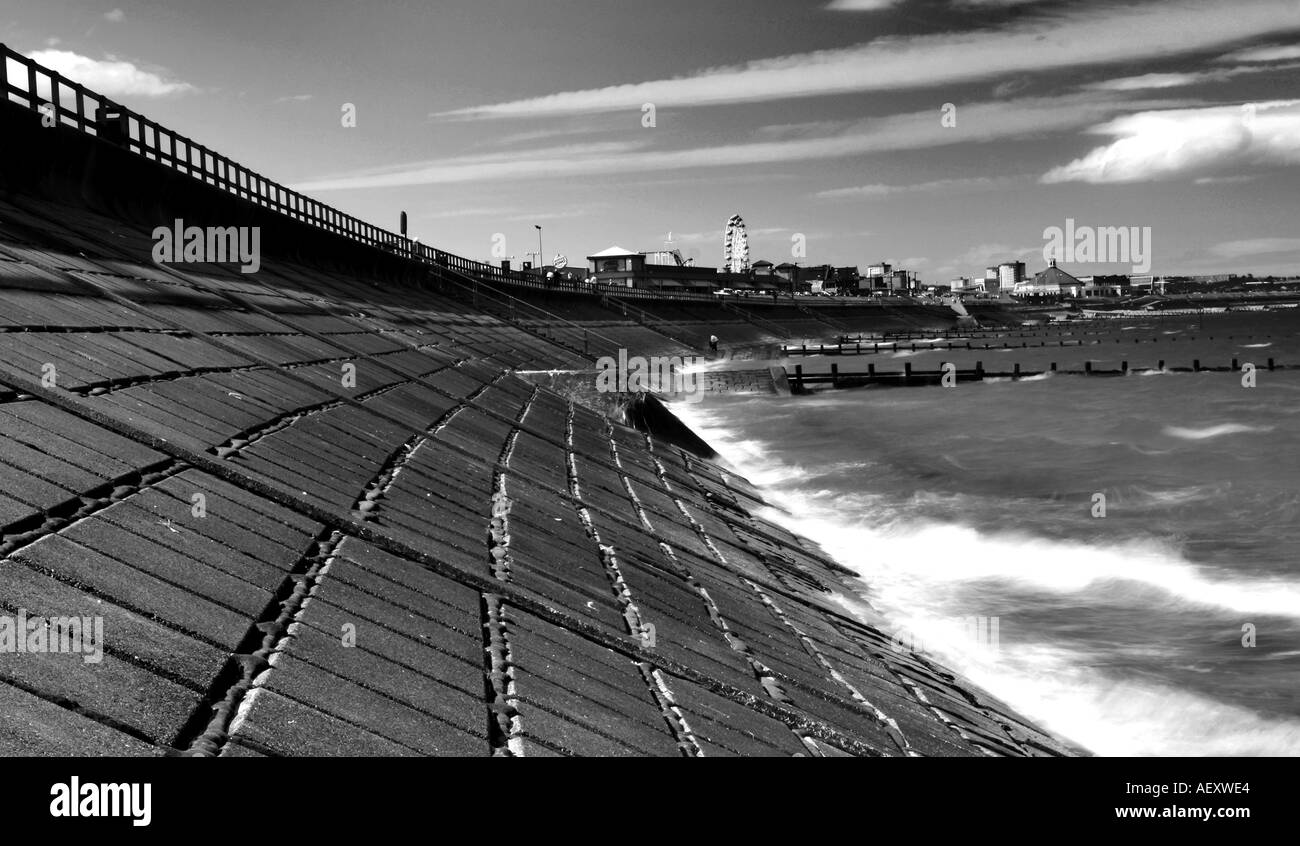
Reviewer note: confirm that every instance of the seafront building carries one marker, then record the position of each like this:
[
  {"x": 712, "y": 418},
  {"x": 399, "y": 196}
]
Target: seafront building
[
  {"x": 1010, "y": 274},
  {"x": 617, "y": 267},
  {"x": 1052, "y": 282},
  {"x": 666, "y": 270}
]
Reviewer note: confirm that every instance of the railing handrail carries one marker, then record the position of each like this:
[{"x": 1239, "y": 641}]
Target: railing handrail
[{"x": 100, "y": 116}]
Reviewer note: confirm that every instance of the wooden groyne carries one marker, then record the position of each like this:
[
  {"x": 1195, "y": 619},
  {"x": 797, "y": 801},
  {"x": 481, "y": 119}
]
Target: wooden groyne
[
  {"x": 799, "y": 381},
  {"x": 940, "y": 341}
]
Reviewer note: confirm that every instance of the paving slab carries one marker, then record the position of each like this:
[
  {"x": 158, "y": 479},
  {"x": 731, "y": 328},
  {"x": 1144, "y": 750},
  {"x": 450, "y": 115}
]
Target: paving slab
[
  {"x": 283, "y": 726},
  {"x": 31, "y": 727}
]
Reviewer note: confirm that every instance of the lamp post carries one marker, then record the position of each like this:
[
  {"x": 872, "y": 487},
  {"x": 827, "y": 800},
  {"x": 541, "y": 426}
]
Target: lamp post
[{"x": 540, "y": 254}]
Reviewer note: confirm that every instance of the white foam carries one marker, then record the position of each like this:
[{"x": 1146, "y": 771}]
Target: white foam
[
  {"x": 1189, "y": 434},
  {"x": 922, "y": 575}
]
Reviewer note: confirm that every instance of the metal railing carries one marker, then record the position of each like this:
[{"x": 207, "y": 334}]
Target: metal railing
[{"x": 68, "y": 103}]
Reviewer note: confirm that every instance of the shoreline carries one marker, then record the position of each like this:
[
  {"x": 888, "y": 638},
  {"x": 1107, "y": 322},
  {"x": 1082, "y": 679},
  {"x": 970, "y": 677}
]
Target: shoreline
[{"x": 1099, "y": 695}]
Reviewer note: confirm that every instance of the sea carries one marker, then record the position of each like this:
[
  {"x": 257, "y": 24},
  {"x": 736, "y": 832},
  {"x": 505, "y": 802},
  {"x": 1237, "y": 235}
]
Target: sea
[{"x": 1114, "y": 557}]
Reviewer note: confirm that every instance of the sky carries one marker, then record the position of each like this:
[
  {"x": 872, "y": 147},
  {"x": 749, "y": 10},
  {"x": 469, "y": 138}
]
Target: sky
[{"x": 939, "y": 135}]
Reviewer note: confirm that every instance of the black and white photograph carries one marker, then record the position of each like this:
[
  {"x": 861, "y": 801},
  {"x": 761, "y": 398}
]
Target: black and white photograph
[{"x": 627, "y": 379}]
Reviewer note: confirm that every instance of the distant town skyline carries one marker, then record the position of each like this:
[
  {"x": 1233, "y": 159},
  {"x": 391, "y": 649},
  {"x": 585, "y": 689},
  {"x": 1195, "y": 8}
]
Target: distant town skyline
[{"x": 941, "y": 136}]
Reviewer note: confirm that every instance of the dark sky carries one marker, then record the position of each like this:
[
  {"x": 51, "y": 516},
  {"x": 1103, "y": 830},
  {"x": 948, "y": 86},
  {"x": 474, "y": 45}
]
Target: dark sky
[{"x": 815, "y": 119}]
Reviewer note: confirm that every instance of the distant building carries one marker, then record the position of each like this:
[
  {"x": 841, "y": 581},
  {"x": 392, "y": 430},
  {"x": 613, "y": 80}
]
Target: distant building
[
  {"x": 1010, "y": 274},
  {"x": 616, "y": 267},
  {"x": 620, "y": 268},
  {"x": 1105, "y": 285},
  {"x": 962, "y": 283},
  {"x": 1052, "y": 282},
  {"x": 792, "y": 278},
  {"x": 886, "y": 278}
]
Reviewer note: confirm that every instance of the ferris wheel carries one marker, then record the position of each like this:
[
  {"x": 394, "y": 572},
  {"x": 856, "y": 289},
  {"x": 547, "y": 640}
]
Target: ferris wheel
[{"x": 735, "y": 246}]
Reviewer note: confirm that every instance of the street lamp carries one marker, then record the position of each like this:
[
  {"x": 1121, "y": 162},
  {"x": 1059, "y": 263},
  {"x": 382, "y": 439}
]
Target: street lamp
[{"x": 540, "y": 254}]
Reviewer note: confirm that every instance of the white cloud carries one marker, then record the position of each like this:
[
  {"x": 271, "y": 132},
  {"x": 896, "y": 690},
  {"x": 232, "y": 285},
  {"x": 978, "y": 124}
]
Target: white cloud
[
  {"x": 1048, "y": 40},
  {"x": 1178, "y": 80},
  {"x": 862, "y": 5},
  {"x": 447, "y": 214},
  {"x": 1165, "y": 144},
  {"x": 1157, "y": 80},
  {"x": 1256, "y": 247},
  {"x": 982, "y": 256},
  {"x": 560, "y": 214},
  {"x": 1274, "y": 53},
  {"x": 936, "y": 186},
  {"x": 294, "y": 98},
  {"x": 116, "y": 16},
  {"x": 1224, "y": 180},
  {"x": 917, "y": 130},
  {"x": 109, "y": 76}
]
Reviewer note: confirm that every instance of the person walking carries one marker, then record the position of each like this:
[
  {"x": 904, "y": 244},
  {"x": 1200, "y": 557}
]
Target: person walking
[{"x": 713, "y": 343}]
